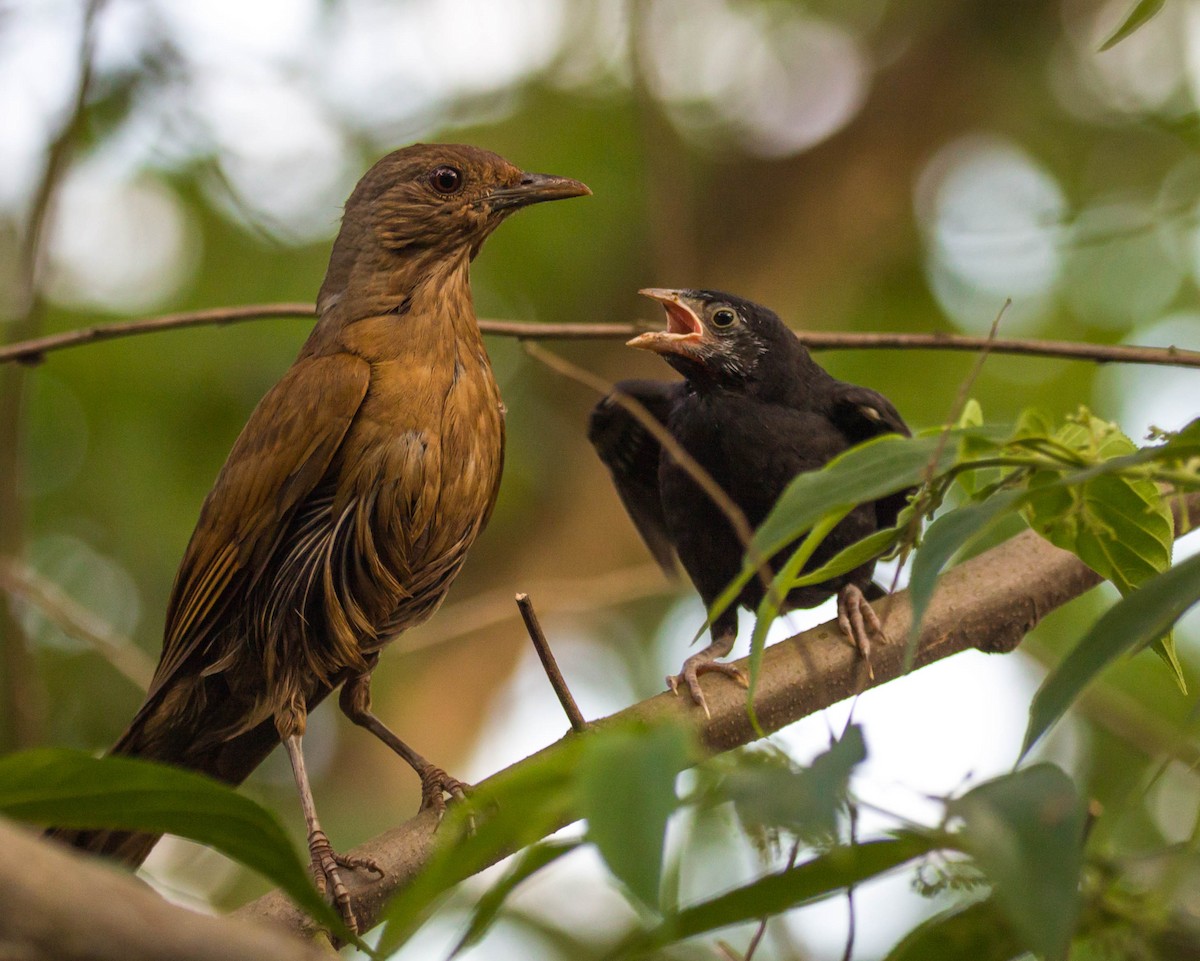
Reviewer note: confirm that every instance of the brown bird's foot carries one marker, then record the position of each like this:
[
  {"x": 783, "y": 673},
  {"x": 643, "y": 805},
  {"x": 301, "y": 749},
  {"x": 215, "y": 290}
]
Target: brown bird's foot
[
  {"x": 705, "y": 662},
  {"x": 435, "y": 785},
  {"x": 858, "y": 620},
  {"x": 325, "y": 863}
]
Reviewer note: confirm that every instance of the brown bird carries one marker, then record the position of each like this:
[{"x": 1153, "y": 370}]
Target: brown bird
[{"x": 348, "y": 503}]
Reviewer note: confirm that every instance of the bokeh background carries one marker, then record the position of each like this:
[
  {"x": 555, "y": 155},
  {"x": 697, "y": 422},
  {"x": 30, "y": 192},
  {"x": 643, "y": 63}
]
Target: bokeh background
[{"x": 856, "y": 165}]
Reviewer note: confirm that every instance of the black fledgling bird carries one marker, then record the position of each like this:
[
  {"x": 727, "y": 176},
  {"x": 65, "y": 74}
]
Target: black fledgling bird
[{"x": 754, "y": 410}]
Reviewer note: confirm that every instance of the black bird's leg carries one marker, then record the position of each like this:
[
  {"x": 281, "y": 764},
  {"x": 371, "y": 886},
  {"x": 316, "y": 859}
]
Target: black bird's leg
[
  {"x": 705, "y": 662},
  {"x": 355, "y": 702},
  {"x": 857, "y": 620},
  {"x": 325, "y": 861}
]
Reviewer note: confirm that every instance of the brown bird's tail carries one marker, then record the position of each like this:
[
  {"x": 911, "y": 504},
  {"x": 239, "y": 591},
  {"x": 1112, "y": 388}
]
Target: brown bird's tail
[{"x": 230, "y": 761}]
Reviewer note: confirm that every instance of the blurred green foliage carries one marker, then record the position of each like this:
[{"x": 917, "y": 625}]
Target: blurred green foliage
[{"x": 872, "y": 165}]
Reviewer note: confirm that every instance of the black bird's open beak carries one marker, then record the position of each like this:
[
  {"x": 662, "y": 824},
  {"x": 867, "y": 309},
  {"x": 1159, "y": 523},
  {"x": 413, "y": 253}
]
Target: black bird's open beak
[
  {"x": 684, "y": 329},
  {"x": 535, "y": 189}
]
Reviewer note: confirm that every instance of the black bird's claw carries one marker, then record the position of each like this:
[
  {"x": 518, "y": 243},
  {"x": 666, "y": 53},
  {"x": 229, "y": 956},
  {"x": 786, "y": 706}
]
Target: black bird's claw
[
  {"x": 698, "y": 664},
  {"x": 858, "y": 620},
  {"x": 325, "y": 862}
]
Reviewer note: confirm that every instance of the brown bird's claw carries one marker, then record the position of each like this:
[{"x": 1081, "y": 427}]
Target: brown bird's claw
[
  {"x": 325, "y": 863},
  {"x": 858, "y": 620},
  {"x": 435, "y": 785},
  {"x": 703, "y": 663}
]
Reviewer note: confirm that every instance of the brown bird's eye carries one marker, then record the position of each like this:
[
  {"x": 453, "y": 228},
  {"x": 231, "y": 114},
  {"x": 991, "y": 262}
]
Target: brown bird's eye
[
  {"x": 725, "y": 317},
  {"x": 446, "y": 179}
]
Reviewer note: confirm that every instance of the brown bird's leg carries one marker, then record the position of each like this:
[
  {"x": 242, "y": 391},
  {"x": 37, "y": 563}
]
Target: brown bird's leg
[
  {"x": 325, "y": 861},
  {"x": 355, "y": 702},
  {"x": 705, "y": 662},
  {"x": 857, "y": 620}
]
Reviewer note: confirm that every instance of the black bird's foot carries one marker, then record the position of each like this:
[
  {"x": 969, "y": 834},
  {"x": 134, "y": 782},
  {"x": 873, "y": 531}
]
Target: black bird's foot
[
  {"x": 705, "y": 662},
  {"x": 858, "y": 620},
  {"x": 325, "y": 863}
]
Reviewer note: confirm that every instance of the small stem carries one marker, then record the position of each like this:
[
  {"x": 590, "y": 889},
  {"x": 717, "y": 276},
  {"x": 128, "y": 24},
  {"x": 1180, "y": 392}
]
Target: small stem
[
  {"x": 34, "y": 351},
  {"x": 557, "y": 681}
]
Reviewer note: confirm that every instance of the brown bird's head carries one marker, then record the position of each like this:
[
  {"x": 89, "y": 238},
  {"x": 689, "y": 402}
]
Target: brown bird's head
[
  {"x": 441, "y": 200},
  {"x": 717, "y": 338}
]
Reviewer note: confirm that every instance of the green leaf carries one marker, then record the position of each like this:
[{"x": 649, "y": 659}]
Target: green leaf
[
  {"x": 770, "y": 793},
  {"x": 881, "y": 466},
  {"x": 1025, "y": 832},
  {"x": 1119, "y": 525},
  {"x": 509, "y": 811},
  {"x": 944, "y": 538},
  {"x": 627, "y": 794},
  {"x": 531, "y": 860},
  {"x": 1147, "y": 613},
  {"x": 821, "y": 877},
  {"x": 768, "y": 608},
  {"x": 976, "y": 930},
  {"x": 1138, "y": 16},
  {"x": 71, "y": 789}
]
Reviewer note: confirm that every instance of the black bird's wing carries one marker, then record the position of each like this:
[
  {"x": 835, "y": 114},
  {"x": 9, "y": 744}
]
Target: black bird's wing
[
  {"x": 631, "y": 454},
  {"x": 861, "y": 413}
]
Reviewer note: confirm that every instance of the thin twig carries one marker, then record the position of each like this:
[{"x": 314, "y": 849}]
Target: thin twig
[
  {"x": 956, "y": 409},
  {"x": 20, "y": 687},
  {"x": 851, "y": 920},
  {"x": 557, "y": 681},
  {"x": 761, "y": 930},
  {"x": 34, "y": 351},
  {"x": 699, "y": 476},
  {"x": 76, "y": 621},
  {"x": 572, "y": 595}
]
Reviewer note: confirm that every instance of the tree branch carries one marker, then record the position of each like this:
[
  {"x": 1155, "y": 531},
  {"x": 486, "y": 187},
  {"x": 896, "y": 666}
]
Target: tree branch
[
  {"x": 989, "y": 602},
  {"x": 34, "y": 351},
  {"x": 60, "y": 905}
]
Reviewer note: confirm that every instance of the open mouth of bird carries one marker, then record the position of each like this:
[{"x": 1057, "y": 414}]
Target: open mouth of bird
[{"x": 683, "y": 326}]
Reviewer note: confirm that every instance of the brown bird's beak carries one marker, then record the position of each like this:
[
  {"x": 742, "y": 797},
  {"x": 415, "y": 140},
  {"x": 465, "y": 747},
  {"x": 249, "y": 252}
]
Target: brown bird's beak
[
  {"x": 684, "y": 329},
  {"x": 535, "y": 189}
]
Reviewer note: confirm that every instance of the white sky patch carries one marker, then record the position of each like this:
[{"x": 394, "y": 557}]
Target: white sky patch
[
  {"x": 991, "y": 217},
  {"x": 780, "y": 80},
  {"x": 117, "y": 245}
]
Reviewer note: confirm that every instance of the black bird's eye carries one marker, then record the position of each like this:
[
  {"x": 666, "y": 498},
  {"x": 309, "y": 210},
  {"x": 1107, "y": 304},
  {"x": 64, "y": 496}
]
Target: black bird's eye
[
  {"x": 725, "y": 317},
  {"x": 446, "y": 179}
]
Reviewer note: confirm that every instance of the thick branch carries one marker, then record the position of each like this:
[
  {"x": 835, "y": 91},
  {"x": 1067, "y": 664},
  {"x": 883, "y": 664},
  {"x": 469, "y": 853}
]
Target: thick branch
[
  {"x": 989, "y": 602},
  {"x": 62, "y": 906},
  {"x": 34, "y": 351}
]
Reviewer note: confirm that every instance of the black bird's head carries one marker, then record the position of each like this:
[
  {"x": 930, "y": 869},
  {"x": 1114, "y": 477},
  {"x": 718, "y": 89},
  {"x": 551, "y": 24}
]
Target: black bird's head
[{"x": 717, "y": 338}]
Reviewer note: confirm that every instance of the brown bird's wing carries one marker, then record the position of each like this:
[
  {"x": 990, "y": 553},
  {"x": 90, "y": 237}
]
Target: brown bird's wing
[
  {"x": 861, "y": 413},
  {"x": 632, "y": 454},
  {"x": 282, "y": 453}
]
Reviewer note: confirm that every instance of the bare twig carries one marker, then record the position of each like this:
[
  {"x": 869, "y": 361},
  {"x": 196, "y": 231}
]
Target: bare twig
[
  {"x": 75, "y": 620},
  {"x": 851, "y": 913},
  {"x": 988, "y": 602},
  {"x": 34, "y": 351},
  {"x": 557, "y": 681},
  {"x": 700, "y": 477},
  {"x": 20, "y": 691},
  {"x": 567, "y": 594},
  {"x": 761, "y": 930}
]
